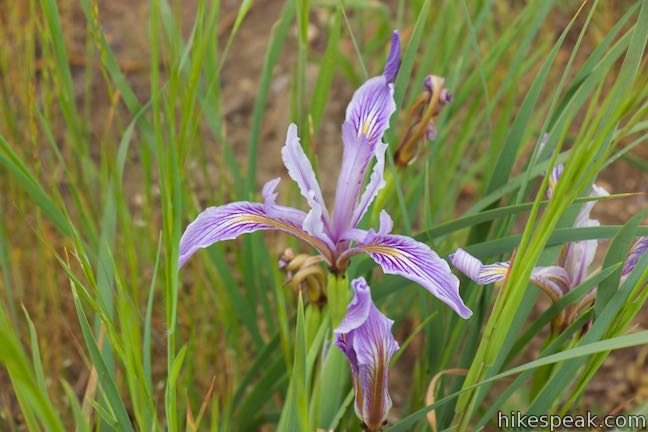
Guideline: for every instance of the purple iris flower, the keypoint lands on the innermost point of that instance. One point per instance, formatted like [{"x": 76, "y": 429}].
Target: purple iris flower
[
  {"x": 365, "y": 337},
  {"x": 573, "y": 264},
  {"x": 336, "y": 235}
]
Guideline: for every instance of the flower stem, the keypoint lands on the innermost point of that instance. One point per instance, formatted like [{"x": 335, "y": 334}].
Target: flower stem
[{"x": 337, "y": 292}]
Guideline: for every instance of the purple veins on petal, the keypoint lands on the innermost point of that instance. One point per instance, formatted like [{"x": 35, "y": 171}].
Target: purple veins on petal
[
  {"x": 373, "y": 103},
  {"x": 415, "y": 261},
  {"x": 375, "y": 184},
  {"x": 638, "y": 248},
  {"x": 553, "y": 280},
  {"x": 229, "y": 221},
  {"x": 476, "y": 270},
  {"x": 358, "y": 308},
  {"x": 355, "y": 159},
  {"x": 367, "y": 119},
  {"x": 370, "y": 109},
  {"x": 365, "y": 337}
]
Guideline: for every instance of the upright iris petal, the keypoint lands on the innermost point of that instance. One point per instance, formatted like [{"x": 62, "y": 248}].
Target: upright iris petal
[
  {"x": 355, "y": 160},
  {"x": 365, "y": 337},
  {"x": 576, "y": 257},
  {"x": 393, "y": 59},
  {"x": 367, "y": 119}
]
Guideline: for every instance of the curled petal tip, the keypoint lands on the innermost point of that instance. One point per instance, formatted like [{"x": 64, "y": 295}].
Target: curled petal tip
[
  {"x": 476, "y": 270},
  {"x": 268, "y": 192},
  {"x": 393, "y": 59},
  {"x": 386, "y": 223}
]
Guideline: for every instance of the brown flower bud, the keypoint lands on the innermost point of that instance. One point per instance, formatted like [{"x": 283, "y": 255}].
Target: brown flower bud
[
  {"x": 421, "y": 120},
  {"x": 304, "y": 273}
]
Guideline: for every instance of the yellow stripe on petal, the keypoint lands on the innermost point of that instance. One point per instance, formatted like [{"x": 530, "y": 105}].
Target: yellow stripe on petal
[
  {"x": 315, "y": 242},
  {"x": 384, "y": 250},
  {"x": 368, "y": 124},
  {"x": 495, "y": 271}
]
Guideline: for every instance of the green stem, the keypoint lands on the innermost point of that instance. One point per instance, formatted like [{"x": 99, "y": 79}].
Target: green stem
[{"x": 337, "y": 292}]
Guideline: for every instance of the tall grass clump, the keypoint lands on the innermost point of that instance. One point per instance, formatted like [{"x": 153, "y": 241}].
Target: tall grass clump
[{"x": 470, "y": 243}]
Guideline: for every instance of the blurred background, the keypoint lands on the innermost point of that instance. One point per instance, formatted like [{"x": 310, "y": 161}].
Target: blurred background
[{"x": 73, "y": 152}]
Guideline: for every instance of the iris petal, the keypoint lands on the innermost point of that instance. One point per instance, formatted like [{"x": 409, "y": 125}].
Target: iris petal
[
  {"x": 576, "y": 257},
  {"x": 413, "y": 260},
  {"x": 370, "y": 109},
  {"x": 376, "y": 183},
  {"x": 355, "y": 160},
  {"x": 366, "y": 339},
  {"x": 476, "y": 270},
  {"x": 553, "y": 280},
  {"x": 638, "y": 248},
  {"x": 367, "y": 119},
  {"x": 393, "y": 59},
  {"x": 229, "y": 221},
  {"x": 300, "y": 169}
]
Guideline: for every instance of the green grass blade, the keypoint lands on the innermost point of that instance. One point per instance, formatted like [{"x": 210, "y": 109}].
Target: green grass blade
[{"x": 106, "y": 379}]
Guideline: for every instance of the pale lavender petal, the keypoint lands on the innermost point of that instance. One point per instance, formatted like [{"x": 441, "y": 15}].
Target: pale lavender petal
[
  {"x": 358, "y": 308},
  {"x": 366, "y": 339},
  {"x": 638, "y": 248},
  {"x": 278, "y": 211},
  {"x": 554, "y": 280},
  {"x": 229, "y": 221},
  {"x": 476, "y": 270},
  {"x": 268, "y": 191},
  {"x": 355, "y": 160},
  {"x": 393, "y": 59},
  {"x": 416, "y": 261},
  {"x": 301, "y": 170},
  {"x": 376, "y": 183},
  {"x": 367, "y": 119},
  {"x": 386, "y": 223},
  {"x": 576, "y": 257},
  {"x": 583, "y": 219},
  {"x": 314, "y": 221}
]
